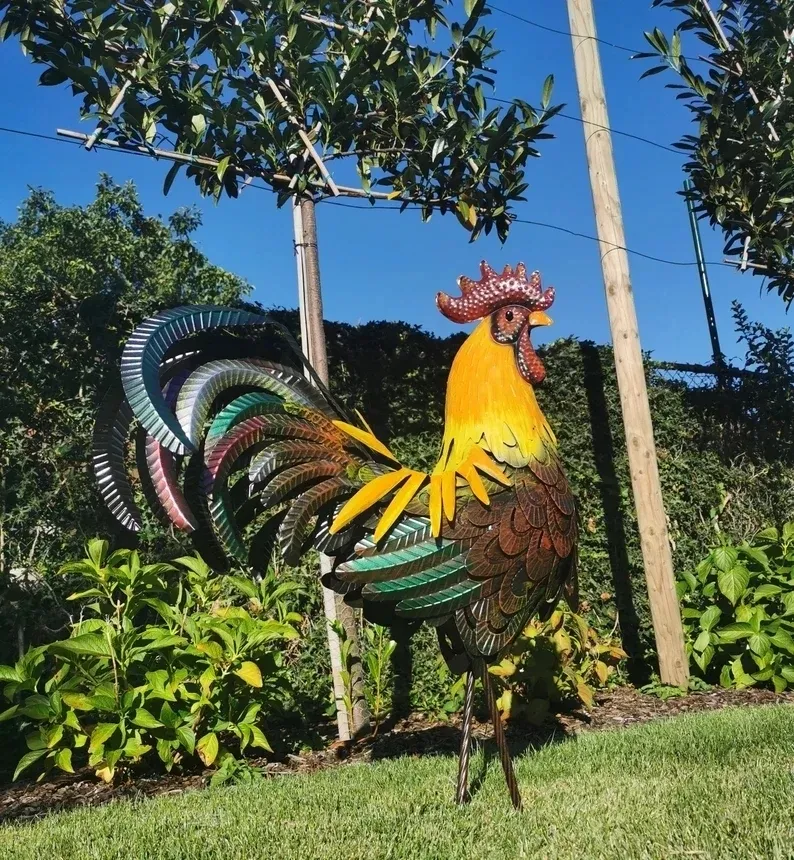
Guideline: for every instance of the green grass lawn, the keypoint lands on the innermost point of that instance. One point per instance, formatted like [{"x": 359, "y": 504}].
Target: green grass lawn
[{"x": 717, "y": 785}]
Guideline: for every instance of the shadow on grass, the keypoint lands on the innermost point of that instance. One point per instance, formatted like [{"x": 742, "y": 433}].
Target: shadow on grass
[{"x": 444, "y": 740}]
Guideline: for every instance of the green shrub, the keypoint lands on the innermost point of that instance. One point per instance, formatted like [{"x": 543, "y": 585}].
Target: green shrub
[
  {"x": 160, "y": 659},
  {"x": 738, "y": 609},
  {"x": 562, "y": 661}
]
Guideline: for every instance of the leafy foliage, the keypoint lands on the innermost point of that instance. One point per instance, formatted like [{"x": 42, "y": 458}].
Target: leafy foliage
[
  {"x": 741, "y": 156},
  {"x": 161, "y": 659},
  {"x": 74, "y": 282},
  {"x": 739, "y": 611},
  {"x": 560, "y": 661},
  {"x": 398, "y": 89}
]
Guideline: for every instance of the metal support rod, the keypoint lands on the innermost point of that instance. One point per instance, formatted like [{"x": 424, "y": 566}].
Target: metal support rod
[
  {"x": 501, "y": 742},
  {"x": 711, "y": 320},
  {"x": 462, "y": 796},
  {"x": 212, "y": 164}
]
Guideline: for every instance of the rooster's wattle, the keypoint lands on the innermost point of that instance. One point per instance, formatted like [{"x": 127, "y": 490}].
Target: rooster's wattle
[{"x": 246, "y": 454}]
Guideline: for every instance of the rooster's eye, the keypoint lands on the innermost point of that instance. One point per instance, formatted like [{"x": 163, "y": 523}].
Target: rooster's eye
[{"x": 506, "y": 323}]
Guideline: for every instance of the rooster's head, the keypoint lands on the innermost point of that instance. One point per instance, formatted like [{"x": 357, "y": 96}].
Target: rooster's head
[{"x": 515, "y": 304}]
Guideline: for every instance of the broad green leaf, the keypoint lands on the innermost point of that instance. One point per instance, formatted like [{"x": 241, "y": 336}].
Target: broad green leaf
[
  {"x": 145, "y": 719},
  {"x": 710, "y": 617},
  {"x": 78, "y": 701},
  {"x": 167, "y": 716},
  {"x": 89, "y": 644},
  {"x": 9, "y": 713},
  {"x": 703, "y": 641},
  {"x": 779, "y": 683},
  {"x": 259, "y": 740},
  {"x": 97, "y": 551},
  {"x": 198, "y": 124},
  {"x": 101, "y": 733},
  {"x": 545, "y": 97},
  {"x": 53, "y": 736},
  {"x": 725, "y": 677},
  {"x": 7, "y": 673},
  {"x": 764, "y": 591},
  {"x": 187, "y": 737},
  {"x": 733, "y": 583},
  {"x": 63, "y": 760},
  {"x": 27, "y": 760},
  {"x": 170, "y": 177},
  {"x": 207, "y": 748},
  {"x": 135, "y": 749},
  {"x": 759, "y": 644},
  {"x": 783, "y": 639},
  {"x": 705, "y": 658},
  {"x": 734, "y": 632},
  {"x": 250, "y": 673},
  {"x": 724, "y": 558}
]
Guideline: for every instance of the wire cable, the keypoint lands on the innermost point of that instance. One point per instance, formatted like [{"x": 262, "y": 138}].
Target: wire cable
[
  {"x": 570, "y": 35},
  {"x": 384, "y": 206},
  {"x": 628, "y": 134},
  {"x": 555, "y": 227}
]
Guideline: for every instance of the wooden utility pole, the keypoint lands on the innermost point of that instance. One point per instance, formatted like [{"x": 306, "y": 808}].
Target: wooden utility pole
[
  {"x": 313, "y": 341},
  {"x": 651, "y": 518}
]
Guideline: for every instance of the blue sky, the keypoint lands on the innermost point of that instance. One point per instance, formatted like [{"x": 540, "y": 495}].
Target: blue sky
[{"x": 383, "y": 265}]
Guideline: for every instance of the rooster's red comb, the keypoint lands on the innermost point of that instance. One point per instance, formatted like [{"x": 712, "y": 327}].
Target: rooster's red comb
[{"x": 494, "y": 291}]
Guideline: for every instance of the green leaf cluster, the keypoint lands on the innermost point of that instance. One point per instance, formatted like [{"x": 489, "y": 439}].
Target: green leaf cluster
[
  {"x": 738, "y": 610},
  {"x": 561, "y": 661},
  {"x": 164, "y": 660},
  {"x": 741, "y": 149}
]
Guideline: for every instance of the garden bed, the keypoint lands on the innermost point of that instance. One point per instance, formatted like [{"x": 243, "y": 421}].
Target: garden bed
[{"x": 416, "y": 736}]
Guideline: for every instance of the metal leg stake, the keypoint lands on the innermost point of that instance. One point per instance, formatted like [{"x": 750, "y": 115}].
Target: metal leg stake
[
  {"x": 463, "y": 795},
  {"x": 501, "y": 743}
]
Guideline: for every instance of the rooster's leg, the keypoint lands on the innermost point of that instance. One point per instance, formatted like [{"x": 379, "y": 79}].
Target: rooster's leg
[
  {"x": 501, "y": 743},
  {"x": 465, "y": 743}
]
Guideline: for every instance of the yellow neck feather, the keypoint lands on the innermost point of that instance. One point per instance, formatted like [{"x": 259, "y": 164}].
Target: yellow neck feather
[{"x": 491, "y": 405}]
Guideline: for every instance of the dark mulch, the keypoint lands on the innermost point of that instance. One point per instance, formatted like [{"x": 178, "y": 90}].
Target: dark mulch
[{"x": 26, "y": 801}]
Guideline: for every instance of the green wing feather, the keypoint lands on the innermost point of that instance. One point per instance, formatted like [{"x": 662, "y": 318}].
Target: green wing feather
[
  {"x": 441, "y": 602},
  {"x": 206, "y": 383},
  {"x": 399, "y": 563},
  {"x": 295, "y": 477},
  {"x": 111, "y": 433},
  {"x": 144, "y": 351},
  {"x": 294, "y": 529},
  {"x": 426, "y": 583},
  {"x": 240, "y": 409}
]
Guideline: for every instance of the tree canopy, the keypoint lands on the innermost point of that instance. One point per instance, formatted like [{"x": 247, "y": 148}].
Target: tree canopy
[
  {"x": 74, "y": 282},
  {"x": 393, "y": 86},
  {"x": 741, "y": 94}
]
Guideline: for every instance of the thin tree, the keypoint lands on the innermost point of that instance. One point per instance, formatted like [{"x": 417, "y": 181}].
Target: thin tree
[{"x": 285, "y": 91}]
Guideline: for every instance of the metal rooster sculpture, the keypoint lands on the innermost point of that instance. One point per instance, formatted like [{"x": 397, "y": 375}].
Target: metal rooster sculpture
[{"x": 474, "y": 549}]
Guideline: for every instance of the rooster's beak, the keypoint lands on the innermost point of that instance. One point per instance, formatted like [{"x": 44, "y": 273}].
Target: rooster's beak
[{"x": 539, "y": 318}]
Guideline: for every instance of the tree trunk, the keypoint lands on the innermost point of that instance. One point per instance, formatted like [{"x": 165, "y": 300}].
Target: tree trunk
[{"x": 313, "y": 336}]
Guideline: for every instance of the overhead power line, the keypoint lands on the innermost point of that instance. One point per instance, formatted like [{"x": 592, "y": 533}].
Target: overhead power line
[
  {"x": 555, "y": 227},
  {"x": 569, "y": 35},
  {"x": 628, "y": 134},
  {"x": 381, "y": 206}
]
